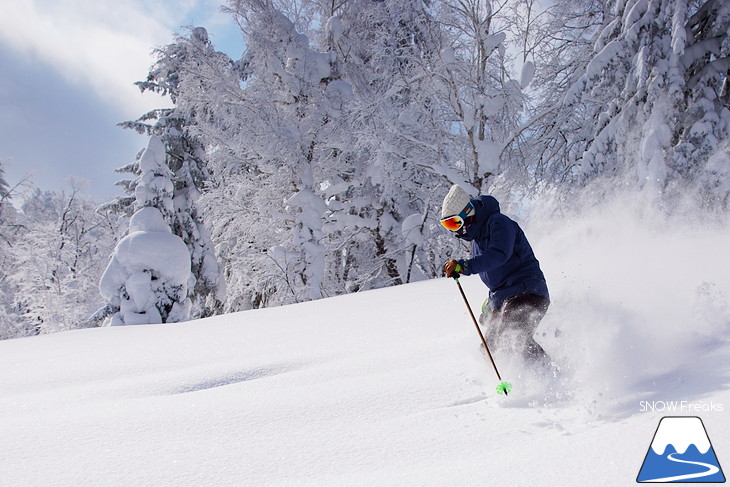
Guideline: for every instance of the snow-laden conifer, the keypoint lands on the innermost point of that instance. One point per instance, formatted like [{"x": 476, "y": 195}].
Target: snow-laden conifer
[
  {"x": 653, "y": 100},
  {"x": 185, "y": 158},
  {"x": 148, "y": 278}
]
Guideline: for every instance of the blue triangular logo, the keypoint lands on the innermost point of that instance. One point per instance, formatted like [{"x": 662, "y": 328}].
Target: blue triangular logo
[{"x": 681, "y": 452}]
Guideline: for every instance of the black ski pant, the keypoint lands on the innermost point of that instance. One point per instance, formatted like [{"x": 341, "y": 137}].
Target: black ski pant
[{"x": 512, "y": 326}]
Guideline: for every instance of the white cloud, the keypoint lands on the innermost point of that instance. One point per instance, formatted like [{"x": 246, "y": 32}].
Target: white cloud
[{"x": 103, "y": 44}]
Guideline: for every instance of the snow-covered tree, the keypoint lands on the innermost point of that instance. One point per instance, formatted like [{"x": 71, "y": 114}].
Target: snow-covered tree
[
  {"x": 703, "y": 150},
  {"x": 398, "y": 140},
  {"x": 274, "y": 140},
  {"x": 148, "y": 278},
  {"x": 475, "y": 82},
  {"x": 329, "y": 148},
  {"x": 8, "y": 289},
  {"x": 59, "y": 255},
  {"x": 554, "y": 45},
  {"x": 154, "y": 186},
  {"x": 184, "y": 158},
  {"x": 653, "y": 97}
]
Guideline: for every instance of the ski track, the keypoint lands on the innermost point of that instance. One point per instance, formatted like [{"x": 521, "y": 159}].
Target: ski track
[{"x": 230, "y": 378}]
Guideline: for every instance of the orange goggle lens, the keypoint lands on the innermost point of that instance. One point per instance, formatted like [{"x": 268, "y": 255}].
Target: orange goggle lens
[{"x": 453, "y": 223}]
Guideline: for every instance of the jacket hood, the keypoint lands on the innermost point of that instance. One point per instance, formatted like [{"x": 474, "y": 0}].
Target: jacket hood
[
  {"x": 490, "y": 204},
  {"x": 485, "y": 207}
]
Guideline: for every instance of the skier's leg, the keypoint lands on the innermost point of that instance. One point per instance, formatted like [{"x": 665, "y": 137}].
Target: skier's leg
[{"x": 521, "y": 315}]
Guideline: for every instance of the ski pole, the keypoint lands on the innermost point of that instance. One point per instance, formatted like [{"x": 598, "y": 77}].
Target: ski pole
[{"x": 503, "y": 387}]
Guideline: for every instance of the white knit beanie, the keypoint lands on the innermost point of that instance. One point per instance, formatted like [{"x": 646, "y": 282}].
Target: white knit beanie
[{"x": 455, "y": 201}]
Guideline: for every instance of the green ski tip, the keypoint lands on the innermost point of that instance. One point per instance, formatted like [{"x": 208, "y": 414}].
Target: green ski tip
[{"x": 504, "y": 388}]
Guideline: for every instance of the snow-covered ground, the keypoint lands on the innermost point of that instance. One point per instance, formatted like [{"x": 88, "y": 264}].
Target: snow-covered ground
[{"x": 389, "y": 387}]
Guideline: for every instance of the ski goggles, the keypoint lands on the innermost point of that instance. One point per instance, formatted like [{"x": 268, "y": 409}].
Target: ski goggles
[{"x": 454, "y": 223}]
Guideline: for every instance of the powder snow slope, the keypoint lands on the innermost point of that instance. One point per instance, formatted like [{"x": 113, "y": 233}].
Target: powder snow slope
[
  {"x": 385, "y": 387},
  {"x": 388, "y": 387}
]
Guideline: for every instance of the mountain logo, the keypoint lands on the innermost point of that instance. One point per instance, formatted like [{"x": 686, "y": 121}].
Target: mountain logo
[{"x": 681, "y": 452}]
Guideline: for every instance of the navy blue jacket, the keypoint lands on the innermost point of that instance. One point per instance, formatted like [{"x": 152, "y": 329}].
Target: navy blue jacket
[{"x": 501, "y": 255}]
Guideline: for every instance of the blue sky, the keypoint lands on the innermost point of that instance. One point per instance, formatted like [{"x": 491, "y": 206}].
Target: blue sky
[{"x": 67, "y": 73}]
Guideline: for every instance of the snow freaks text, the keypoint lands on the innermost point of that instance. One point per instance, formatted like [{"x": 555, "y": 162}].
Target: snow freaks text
[{"x": 680, "y": 406}]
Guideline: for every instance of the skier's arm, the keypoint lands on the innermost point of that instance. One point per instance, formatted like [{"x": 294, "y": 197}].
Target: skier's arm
[{"x": 500, "y": 248}]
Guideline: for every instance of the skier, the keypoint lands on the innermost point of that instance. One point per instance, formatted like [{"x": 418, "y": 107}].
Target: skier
[{"x": 502, "y": 256}]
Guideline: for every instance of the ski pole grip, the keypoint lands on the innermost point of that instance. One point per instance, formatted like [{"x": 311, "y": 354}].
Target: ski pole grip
[{"x": 456, "y": 272}]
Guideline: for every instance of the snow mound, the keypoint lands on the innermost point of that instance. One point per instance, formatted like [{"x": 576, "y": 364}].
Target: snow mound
[{"x": 148, "y": 276}]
